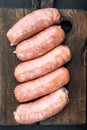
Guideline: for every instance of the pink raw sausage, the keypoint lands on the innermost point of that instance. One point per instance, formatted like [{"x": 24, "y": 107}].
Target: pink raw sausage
[
  {"x": 42, "y": 86},
  {"x": 43, "y": 65},
  {"x": 33, "y": 23},
  {"x": 42, "y": 108},
  {"x": 40, "y": 44}
]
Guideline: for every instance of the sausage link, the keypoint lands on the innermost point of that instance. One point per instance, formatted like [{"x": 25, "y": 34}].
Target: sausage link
[
  {"x": 42, "y": 86},
  {"x": 40, "y": 44},
  {"x": 42, "y": 108},
  {"x": 43, "y": 65},
  {"x": 32, "y": 24}
]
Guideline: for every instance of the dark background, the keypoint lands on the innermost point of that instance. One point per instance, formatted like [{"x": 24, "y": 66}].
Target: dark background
[{"x": 62, "y": 4}]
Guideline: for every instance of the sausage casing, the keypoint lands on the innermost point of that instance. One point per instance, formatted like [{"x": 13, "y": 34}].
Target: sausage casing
[
  {"x": 40, "y": 44},
  {"x": 42, "y": 86},
  {"x": 42, "y": 108},
  {"x": 33, "y": 69},
  {"x": 33, "y": 23}
]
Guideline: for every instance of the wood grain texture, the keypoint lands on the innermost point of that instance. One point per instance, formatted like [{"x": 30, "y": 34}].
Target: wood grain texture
[
  {"x": 47, "y": 3},
  {"x": 16, "y": 3},
  {"x": 8, "y": 61},
  {"x": 36, "y": 4},
  {"x": 75, "y": 112}
]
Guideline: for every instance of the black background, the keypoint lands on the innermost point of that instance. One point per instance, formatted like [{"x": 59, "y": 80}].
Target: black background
[{"x": 62, "y": 4}]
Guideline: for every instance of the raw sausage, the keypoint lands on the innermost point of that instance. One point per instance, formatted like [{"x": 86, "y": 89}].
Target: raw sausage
[
  {"x": 32, "y": 24},
  {"x": 42, "y": 108},
  {"x": 40, "y": 43},
  {"x": 38, "y": 67},
  {"x": 43, "y": 65},
  {"x": 42, "y": 86}
]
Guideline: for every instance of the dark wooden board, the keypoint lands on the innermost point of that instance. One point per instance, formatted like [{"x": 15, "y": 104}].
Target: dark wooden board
[
  {"x": 8, "y": 61},
  {"x": 75, "y": 112},
  {"x": 47, "y": 3}
]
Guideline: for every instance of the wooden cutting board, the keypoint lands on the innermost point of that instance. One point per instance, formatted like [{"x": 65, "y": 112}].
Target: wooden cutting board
[{"x": 76, "y": 39}]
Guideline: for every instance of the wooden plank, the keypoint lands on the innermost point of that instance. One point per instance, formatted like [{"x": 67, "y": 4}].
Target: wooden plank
[
  {"x": 75, "y": 112},
  {"x": 15, "y": 3},
  {"x": 47, "y": 3},
  {"x": 8, "y": 61},
  {"x": 36, "y": 4}
]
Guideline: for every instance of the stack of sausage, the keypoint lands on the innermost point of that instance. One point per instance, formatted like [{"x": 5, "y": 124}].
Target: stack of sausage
[{"x": 38, "y": 38}]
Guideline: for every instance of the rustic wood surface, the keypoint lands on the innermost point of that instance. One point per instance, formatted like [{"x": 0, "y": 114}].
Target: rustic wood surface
[
  {"x": 75, "y": 112},
  {"x": 47, "y": 3}
]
